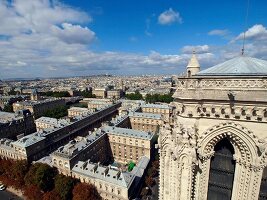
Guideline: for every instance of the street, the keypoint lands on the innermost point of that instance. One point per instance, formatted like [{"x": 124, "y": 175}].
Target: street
[{"x": 5, "y": 195}]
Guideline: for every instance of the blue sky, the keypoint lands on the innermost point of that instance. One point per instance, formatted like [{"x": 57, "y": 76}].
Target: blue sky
[{"x": 51, "y": 38}]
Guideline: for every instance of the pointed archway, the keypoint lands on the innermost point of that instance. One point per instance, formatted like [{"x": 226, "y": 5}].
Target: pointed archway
[
  {"x": 263, "y": 188},
  {"x": 222, "y": 169}
]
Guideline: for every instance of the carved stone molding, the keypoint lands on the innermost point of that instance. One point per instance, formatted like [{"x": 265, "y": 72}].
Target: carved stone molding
[{"x": 245, "y": 143}]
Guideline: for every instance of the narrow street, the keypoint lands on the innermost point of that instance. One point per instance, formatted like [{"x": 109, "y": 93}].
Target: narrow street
[{"x": 5, "y": 195}]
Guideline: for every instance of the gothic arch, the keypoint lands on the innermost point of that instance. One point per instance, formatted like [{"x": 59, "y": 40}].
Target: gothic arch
[
  {"x": 243, "y": 141},
  {"x": 246, "y": 147}
]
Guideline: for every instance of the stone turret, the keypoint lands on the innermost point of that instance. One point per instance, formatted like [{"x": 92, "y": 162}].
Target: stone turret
[
  {"x": 193, "y": 66},
  {"x": 34, "y": 95}
]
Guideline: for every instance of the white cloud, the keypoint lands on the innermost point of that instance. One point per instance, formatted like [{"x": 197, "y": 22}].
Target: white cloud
[
  {"x": 169, "y": 17},
  {"x": 73, "y": 33},
  {"x": 198, "y": 48},
  {"x": 256, "y": 32},
  {"x": 219, "y": 32},
  {"x": 61, "y": 44},
  {"x": 18, "y": 16}
]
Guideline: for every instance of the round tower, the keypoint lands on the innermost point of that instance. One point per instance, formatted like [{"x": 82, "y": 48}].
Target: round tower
[{"x": 193, "y": 66}]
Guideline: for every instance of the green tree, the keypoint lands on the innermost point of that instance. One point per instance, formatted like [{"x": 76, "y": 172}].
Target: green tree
[
  {"x": 52, "y": 195},
  {"x": 64, "y": 186},
  {"x": 83, "y": 191},
  {"x": 41, "y": 175},
  {"x": 87, "y": 94},
  {"x": 152, "y": 172},
  {"x": 58, "y": 112},
  {"x": 134, "y": 96},
  {"x": 12, "y": 92},
  {"x": 19, "y": 169},
  {"x": 152, "y": 98},
  {"x": 149, "y": 181},
  {"x": 56, "y": 94},
  {"x": 8, "y": 108},
  {"x": 32, "y": 192}
]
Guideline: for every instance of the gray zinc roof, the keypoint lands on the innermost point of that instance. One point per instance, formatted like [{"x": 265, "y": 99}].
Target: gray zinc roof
[
  {"x": 238, "y": 66},
  {"x": 93, "y": 170}
]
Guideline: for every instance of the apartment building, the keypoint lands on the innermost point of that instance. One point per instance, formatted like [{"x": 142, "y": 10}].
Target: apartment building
[
  {"x": 147, "y": 122},
  {"x": 100, "y": 92},
  {"x": 47, "y": 122},
  {"x": 114, "y": 94},
  {"x": 36, "y": 145},
  {"x": 128, "y": 144},
  {"x": 93, "y": 147},
  {"x": 37, "y": 108},
  {"x": 76, "y": 111},
  {"x": 162, "y": 109},
  {"x": 14, "y": 124}
]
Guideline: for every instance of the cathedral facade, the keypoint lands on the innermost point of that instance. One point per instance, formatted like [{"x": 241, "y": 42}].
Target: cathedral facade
[{"x": 215, "y": 146}]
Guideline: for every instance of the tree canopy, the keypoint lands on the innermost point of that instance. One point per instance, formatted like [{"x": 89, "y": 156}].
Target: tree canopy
[
  {"x": 56, "y": 94},
  {"x": 58, "y": 112},
  {"x": 83, "y": 191},
  {"x": 87, "y": 94},
  {"x": 64, "y": 186},
  {"x": 8, "y": 108},
  {"x": 40, "y": 181},
  {"x": 134, "y": 96},
  {"x": 152, "y": 98},
  {"x": 41, "y": 175}
]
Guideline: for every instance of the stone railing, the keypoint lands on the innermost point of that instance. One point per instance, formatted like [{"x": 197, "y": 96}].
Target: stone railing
[
  {"x": 238, "y": 112},
  {"x": 215, "y": 83}
]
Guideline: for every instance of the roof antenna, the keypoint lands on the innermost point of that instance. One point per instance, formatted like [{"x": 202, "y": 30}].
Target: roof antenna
[{"x": 245, "y": 28}]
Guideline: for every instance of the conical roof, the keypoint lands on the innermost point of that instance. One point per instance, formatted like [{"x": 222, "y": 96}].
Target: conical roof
[
  {"x": 193, "y": 61},
  {"x": 238, "y": 66}
]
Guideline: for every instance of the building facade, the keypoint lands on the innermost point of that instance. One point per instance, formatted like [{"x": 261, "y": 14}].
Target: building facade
[
  {"x": 14, "y": 124},
  {"x": 164, "y": 110},
  {"x": 216, "y": 146},
  {"x": 92, "y": 147},
  {"x": 39, "y": 144},
  {"x": 100, "y": 92},
  {"x": 129, "y": 145},
  {"x": 76, "y": 111},
  {"x": 147, "y": 122},
  {"x": 114, "y": 94},
  {"x": 38, "y": 108}
]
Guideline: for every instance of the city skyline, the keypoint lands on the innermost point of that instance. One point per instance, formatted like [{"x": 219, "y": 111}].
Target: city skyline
[{"x": 66, "y": 38}]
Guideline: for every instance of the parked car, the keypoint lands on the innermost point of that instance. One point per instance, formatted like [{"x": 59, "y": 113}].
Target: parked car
[{"x": 2, "y": 187}]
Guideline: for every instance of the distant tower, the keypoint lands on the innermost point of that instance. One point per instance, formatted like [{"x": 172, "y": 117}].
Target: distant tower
[
  {"x": 193, "y": 66},
  {"x": 34, "y": 95},
  {"x": 122, "y": 85}
]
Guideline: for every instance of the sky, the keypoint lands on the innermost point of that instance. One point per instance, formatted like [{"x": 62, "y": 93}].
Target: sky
[{"x": 55, "y": 38}]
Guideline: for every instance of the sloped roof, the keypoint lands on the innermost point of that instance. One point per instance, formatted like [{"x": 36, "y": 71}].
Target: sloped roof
[
  {"x": 238, "y": 66},
  {"x": 193, "y": 61}
]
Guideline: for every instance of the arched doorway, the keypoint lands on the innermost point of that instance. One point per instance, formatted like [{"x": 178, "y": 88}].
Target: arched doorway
[
  {"x": 188, "y": 73},
  {"x": 263, "y": 188},
  {"x": 222, "y": 168}
]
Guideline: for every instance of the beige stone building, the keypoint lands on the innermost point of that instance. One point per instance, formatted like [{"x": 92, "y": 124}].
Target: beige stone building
[
  {"x": 43, "y": 123},
  {"x": 100, "y": 92},
  {"x": 162, "y": 109},
  {"x": 34, "y": 146},
  {"x": 93, "y": 147},
  {"x": 111, "y": 183},
  {"x": 76, "y": 111},
  {"x": 114, "y": 94},
  {"x": 37, "y": 108},
  {"x": 216, "y": 145},
  {"x": 128, "y": 144},
  {"x": 147, "y": 122}
]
